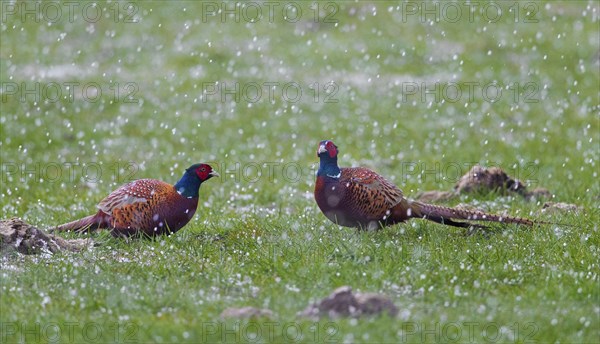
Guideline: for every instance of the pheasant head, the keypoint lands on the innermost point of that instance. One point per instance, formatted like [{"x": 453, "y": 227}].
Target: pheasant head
[
  {"x": 193, "y": 177},
  {"x": 328, "y": 166}
]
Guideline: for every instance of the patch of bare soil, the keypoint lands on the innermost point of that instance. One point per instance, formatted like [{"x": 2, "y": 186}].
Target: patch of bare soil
[
  {"x": 17, "y": 235},
  {"x": 246, "y": 312},
  {"x": 484, "y": 180},
  {"x": 344, "y": 303},
  {"x": 560, "y": 207}
]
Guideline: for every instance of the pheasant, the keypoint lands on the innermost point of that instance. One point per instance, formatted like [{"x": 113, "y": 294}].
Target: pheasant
[
  {"x": 359, "y": 197},
  {"x": 147, "y": 206}
]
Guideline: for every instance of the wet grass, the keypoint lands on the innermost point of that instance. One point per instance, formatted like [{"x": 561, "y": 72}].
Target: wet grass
[{"x": 258, "y": 238}]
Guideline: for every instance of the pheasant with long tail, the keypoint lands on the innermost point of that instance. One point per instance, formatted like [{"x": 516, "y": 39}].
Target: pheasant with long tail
[
  {"x": 147, "y": 206},
  {"x": 359, "y": 197}
]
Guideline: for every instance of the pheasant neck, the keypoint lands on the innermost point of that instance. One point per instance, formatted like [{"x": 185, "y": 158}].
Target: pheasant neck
[
  {"x": 188, "y": 185},
  {"x": 328, "y": 167}
]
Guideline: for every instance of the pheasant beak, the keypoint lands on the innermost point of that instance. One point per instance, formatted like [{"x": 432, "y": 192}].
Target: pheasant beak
[
  {"x": 214, "y": 174},
  {"x": 321, "y": 149}
]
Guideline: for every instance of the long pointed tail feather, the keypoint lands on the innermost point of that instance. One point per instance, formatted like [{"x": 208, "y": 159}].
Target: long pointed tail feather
[
  {"x": 446, "y": 215},
  {"x": 88, "y": 222}
]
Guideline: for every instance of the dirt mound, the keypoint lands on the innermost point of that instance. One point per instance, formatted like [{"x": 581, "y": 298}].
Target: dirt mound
[
  {"x": 246, "y": 312},
  {"x": 558, "y": 207},
  {"x": 484, "y": 180},
  {"x": 18, "y": 235},
  {"x": 435, "y": 196},
  {"x": 481, "y": 179},
  {"x": 343, "y": 303}
]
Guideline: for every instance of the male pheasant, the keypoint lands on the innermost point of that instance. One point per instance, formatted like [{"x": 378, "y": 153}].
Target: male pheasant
[
  {"x": 359, "y": 197},
  {"x": 147, "y": 206}
]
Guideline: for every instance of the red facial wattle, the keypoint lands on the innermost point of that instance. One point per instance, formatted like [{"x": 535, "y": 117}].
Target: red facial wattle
[
  {"x": 331, "y": 149},
  {"x": 202, "y": 172}
]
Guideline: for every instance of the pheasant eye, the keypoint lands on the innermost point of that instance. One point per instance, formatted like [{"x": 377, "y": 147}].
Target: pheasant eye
[{"x": 201, "y": 172}]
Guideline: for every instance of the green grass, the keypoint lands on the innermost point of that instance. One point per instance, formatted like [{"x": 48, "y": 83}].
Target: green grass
[{"x": 258, "y": 239}]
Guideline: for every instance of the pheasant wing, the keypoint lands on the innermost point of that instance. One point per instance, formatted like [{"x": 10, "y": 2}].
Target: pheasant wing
[
  {"x": 141, "y": 190},
  {"x": 371, "y": 194}
]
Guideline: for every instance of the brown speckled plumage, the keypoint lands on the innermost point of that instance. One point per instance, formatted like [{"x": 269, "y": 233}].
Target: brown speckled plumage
[{"x": 359, "y": 197}]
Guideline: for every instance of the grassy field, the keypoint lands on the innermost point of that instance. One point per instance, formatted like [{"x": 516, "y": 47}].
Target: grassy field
[{"x": 95, "y": 96}]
